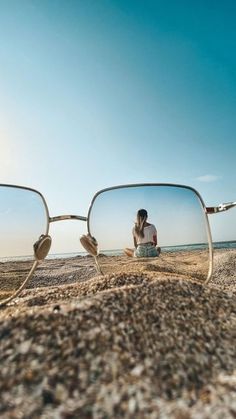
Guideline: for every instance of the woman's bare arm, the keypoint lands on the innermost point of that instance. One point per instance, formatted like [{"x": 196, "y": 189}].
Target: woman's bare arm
[{"x": 154, "y": 238}]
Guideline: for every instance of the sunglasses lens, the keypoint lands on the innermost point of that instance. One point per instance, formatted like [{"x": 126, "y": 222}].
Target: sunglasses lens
[
  {"x": 23, "y": 218},
  {"x": 177, "y": 217}
]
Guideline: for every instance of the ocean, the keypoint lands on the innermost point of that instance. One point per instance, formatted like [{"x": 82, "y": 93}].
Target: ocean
[
  {"x": 190, "y": 247},
  {"x": 119, "y": 252}
]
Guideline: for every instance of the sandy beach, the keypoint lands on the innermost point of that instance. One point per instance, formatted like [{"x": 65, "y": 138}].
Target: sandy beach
[{"x": 146, "y": 341}]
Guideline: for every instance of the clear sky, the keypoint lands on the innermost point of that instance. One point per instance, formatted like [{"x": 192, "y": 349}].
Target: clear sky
[{"x": 99, "y": 93}]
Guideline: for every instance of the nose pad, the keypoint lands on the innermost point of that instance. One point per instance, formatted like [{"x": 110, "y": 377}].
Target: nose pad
[
  {"x": 90, "y": 244},
  {"x": 42, "y": 247}
]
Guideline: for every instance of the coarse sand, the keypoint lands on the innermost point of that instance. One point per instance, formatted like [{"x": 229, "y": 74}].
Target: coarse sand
[{"x": 143, "y": 344}]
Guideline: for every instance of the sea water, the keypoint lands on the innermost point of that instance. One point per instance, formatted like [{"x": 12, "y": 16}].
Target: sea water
[
  {"x": 118, "y": 252},
  {"x": 190, "y": 247}
]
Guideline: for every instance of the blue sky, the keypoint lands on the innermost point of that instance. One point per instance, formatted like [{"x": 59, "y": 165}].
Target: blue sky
[{"x": 99, "y": 93}]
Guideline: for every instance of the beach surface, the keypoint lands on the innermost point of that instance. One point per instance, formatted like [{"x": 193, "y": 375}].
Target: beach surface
[{"x": 141, "y": 341}]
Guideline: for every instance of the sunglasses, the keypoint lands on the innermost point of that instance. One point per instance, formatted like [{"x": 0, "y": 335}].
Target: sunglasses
[{"x": 156, "y": 228}]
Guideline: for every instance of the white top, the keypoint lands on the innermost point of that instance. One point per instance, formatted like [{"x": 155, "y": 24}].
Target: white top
[{"x": 149, "y": 232}]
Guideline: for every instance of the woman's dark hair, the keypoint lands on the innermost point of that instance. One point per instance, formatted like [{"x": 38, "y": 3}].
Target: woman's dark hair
[{"x": 139, "y": 225}]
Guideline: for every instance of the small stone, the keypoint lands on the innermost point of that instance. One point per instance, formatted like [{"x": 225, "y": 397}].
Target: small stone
[
  {"x": 137, "y": 371},
  {"x": 24, "y": 347}
]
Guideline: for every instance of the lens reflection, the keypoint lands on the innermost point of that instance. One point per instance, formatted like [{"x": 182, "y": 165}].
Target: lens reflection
[
  {"x": 23, "y": 218},
  {"x": 180, "y": 221}
]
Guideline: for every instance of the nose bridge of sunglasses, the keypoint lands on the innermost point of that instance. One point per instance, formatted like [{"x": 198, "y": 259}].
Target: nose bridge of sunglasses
[
  {"x": 42, "y": 247},
  {"x": 67, "y": 217}
]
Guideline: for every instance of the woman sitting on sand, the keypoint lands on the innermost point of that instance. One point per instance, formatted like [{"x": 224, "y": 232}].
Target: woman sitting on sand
[{"x": 145, "y": 237}]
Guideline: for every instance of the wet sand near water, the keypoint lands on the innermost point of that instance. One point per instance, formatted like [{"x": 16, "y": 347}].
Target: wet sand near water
[{"x": 141, "y": 342}]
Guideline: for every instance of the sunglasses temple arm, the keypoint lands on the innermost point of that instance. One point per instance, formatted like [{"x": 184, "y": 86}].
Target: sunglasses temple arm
[
  {"x": 220, "y": 208},
  {"x": 29, "y": 276}
]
